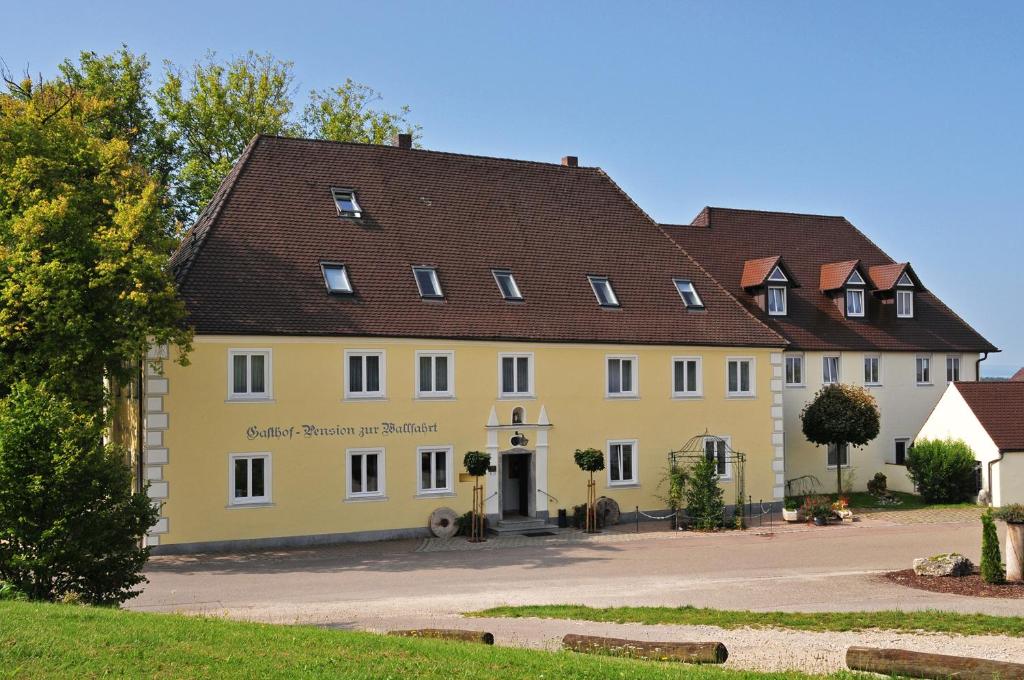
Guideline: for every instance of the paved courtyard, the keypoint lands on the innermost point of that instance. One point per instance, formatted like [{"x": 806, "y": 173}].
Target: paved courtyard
[{"x": 416, "y": 583}]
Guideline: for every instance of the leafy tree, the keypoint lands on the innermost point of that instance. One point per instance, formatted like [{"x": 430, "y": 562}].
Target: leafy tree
[
  {"x": 704, "y": 497},
  {"x": 212, "y": 110},
  {"x": 69, "y": 522},
  {"x": 942, "y": 470},
  {"x": 345, "y": 114},
  {"x": 84, "y": 288},
  {"x": 991, "y": 560},
  {"x": 842, "y": 415}
]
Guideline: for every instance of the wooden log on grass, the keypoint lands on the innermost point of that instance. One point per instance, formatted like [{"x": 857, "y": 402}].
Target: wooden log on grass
[
  {"x": 687, "y": 652},
  {"x": 900, "y": 662},
  {"x": 447, "y": 634}
]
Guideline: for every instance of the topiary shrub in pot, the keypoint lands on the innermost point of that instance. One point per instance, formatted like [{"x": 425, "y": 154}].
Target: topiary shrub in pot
[{"x": 1013, "y": 515}]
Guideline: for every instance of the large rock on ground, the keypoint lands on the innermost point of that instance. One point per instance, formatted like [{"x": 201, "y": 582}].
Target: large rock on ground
[{"x": 950, "y": 564}]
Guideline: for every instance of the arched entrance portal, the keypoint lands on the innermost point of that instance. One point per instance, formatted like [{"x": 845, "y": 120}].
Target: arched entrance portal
[{"x": 517, "y": 491}]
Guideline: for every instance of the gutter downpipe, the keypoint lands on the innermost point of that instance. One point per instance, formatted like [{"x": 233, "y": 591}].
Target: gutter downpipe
[
  {"x": 977, "y": 368},
  {"x": 992, "y": 462}
]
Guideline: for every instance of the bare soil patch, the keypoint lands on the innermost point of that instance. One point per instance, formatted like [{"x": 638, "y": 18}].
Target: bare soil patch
[{"x": 971, "y": 585}]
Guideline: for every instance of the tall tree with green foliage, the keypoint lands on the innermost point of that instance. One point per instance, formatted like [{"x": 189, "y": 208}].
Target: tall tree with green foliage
[
  {"x": 84, "y": 287},
  {"x": 842, "y": 415},
  {"x": 346, "y": 114},
  {"x": 69, "y": 522}
]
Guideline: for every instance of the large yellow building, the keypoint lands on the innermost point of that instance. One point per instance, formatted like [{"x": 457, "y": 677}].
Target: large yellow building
[{"x": 365, "y": 315}]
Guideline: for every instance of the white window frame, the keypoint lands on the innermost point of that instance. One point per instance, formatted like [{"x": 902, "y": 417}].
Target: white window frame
[
  {"x": 363, "y": 395},
  {"x": 324, "y": 266},
  {"x": 741, "y": 394},
  {"x": 917, "y": 370},
  {"x": 785, "y": 301},
  {"x": 433, "y": 354},
  {"x": 356, "y": 211},
  {"x": 268, "y": 377},
  {"x": 679, "y": 283},
  {"x": 497, "y": 274},
  {"x": 857, "y": 292},
  {"x": 381, "y": 492},
  {"x": 605, "y": 281},
  {"x": 878, "y": 370},
  {"x": 449, "y": 452},
  {"x": 250, "y": 500},
  {"x": 824, "y": 363},
  {"x": 434, "y": 279},
  {"x": 799, "y": 359},
  {"x": 634, "y": 371},
  {"x": 905, "y": 311},
  {"x": 727, "y": 476},
  {"x": 849, "y": 458},
  {"x": 697, "y": 393},
  {"x": 530, "y": 373},
  {"x": 906, "y": 449},
  {"x": 634, "y": 468},
  {"x": 953, "y": 360}
]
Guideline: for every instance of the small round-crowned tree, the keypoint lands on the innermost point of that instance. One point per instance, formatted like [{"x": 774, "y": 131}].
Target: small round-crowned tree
[
  {"x": 477, "y": 463},
  {"x": 840, "y": 415},
  {"x": 590, "y": 460}
]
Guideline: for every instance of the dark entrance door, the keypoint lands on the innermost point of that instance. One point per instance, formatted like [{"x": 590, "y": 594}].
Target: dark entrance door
[{"x": 516, "y": 485}]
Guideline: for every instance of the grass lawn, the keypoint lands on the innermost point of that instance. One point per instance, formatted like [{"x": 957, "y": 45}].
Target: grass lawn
[
  {"x": 67, "y": 641},
  {"x": 864, "y": 500},
  {"x": 933, "y": 621}
]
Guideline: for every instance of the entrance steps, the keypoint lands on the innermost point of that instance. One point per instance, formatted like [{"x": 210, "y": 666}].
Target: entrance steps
[{"x": 522, "y": 525}]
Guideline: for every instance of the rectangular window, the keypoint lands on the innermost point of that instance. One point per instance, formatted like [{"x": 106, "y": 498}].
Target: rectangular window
[
  {"x": 794, "y": 370},
  {"x": 924, "y": 370},
  {"x": 717, "y": 449},
  {"x": 854, "y": 302},
  {"x": 899, "y": 452},
  {"x": 841, "y": 453},
  {"x": 435, "y": 374},
  {"x": 871, "y": 372},
  {"x": 688, "y": 292},
  {"x": 516, "y": 375},
  {"x": 336, "y": 278},
  {"x": 507, "y": 284},
  {"x": 740, "y": 378},
  {"x": 603, "y": 290},
  {"x": 621, "y": 376},
  {"x": 952, "y": 368},
  {"x": 249, "y": 374},
  {"x": 829, "y": 370},
  {"x": 904, "y": 304},
  {"x": 365, "y": 379},
  {"x": 248, "y": 478},
  {"x": 427, "y": 282},
  {"x": 686, "y": 377},
  {"x": 435, "y": 469},
  {"x": 622, "y": 461},
  {"x": 777, "y": 300},
  {"x": 365, "y": 473},
  {"x": 345, "y": 201}
]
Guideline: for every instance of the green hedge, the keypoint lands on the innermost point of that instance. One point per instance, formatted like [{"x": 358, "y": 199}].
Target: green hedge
[{"x": 942, "y": 470}]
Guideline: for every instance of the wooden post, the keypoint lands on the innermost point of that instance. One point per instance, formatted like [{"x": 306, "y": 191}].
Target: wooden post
[
  {"x": 478, "y": 528},
  {"x": 591, "y": 505},
  {"x": 687, "y": 652},
  {"x": 447, "y": 634},
  {"x": 900, "y": 662}
]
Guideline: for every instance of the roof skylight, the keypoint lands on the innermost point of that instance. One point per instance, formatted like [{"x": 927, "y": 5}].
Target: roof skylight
[
  {"x": 345, "y": 200},
  {"x": 427, "y": 282},
  {"x": 603, "y": 290},
  {"x": 336, "y": 277},
  {"x": 688, "y": 292},
  {"x": 507, "y": 284}
]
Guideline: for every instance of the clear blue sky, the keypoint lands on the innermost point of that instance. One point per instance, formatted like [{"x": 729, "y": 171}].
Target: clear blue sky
[{"x": 906, "y": 117}]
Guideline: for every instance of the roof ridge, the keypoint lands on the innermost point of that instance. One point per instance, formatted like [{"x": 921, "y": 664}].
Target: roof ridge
[
  {"x": 696, "y": 264},
  {"x": 773, "y": 212}
]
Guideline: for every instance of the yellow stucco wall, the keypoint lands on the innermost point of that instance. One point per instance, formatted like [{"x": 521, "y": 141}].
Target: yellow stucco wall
[{"x": 188, "y": 461}]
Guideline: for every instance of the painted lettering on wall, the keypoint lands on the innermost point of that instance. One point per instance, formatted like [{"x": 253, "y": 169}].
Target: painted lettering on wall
[{"x": 308, "y": 431}]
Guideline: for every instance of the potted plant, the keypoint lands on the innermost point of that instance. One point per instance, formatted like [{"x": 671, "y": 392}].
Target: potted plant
[
  {"x": 818, "y": 508},
  {"x": 841, "y": 510},
  {"x": 791, "y": 510},
  {"x": 1013, "y": 515},
  {"x": 590, "y": 460}
]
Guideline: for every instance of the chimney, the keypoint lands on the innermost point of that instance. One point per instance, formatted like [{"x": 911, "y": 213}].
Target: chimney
[
  {"x": 570, "y": 161},
  {"x": 403, "y": 140}
]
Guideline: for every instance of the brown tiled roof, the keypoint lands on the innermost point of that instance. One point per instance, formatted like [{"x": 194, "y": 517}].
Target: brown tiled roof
[
  {"x": 1019, "y": 375},
  {"x": 885, "y": 276},
  {"x": 999, "y": 406},
  {"x": 833, "y": 275},
  {"x": 756, "y": 271},
  {"x": 722, "y": 240},
  {"x": 252, "y": 267}
]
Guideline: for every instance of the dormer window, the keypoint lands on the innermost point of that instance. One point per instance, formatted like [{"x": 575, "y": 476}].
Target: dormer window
[
  {"x": 689, "y": 294},
  {"x": 345, "y": 200},
  {"x": 854, "y": 301},
  {"x": 336, "y": 278},
  {"x": 507, "y": 284},
  {"x": 855, "y": 279},
  {"x": 778, "y": 276},
  {"x": 776, "y": 300},
  {"x": 603, "y": 290},
  {"x": 427, "y": 282},
  {"x": 905, "y": 297}
]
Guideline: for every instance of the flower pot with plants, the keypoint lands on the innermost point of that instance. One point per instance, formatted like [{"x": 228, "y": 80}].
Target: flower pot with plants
[
  {"x": 791, "y": 510},
  {"x": 818, "y": 509},
  {"x": 841, "y": 510},
  {"x": 1013, "y": 515}
]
